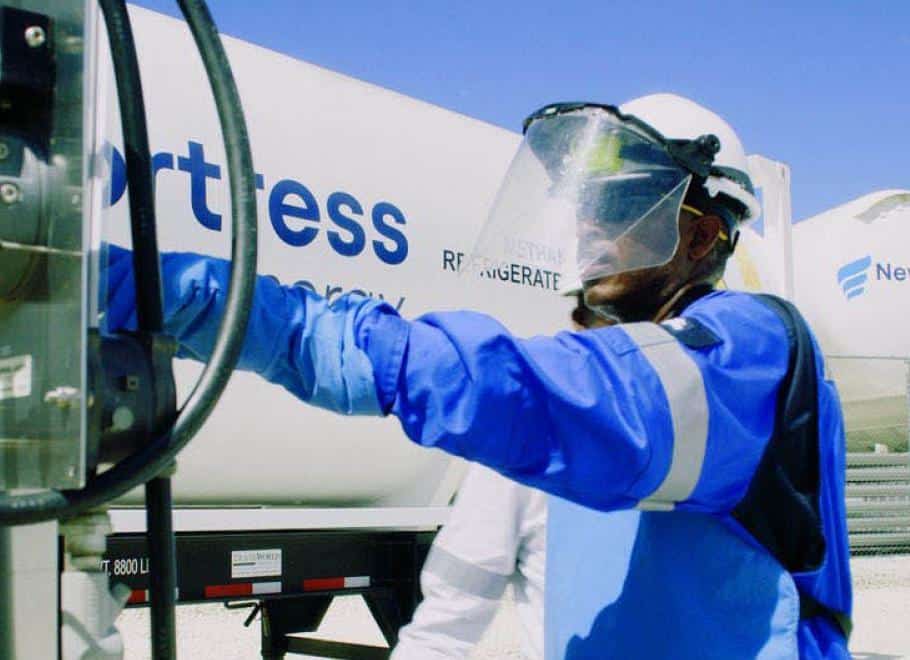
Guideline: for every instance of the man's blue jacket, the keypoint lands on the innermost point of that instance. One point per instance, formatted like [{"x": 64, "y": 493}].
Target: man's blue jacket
[{"x": 672, "y": 419}]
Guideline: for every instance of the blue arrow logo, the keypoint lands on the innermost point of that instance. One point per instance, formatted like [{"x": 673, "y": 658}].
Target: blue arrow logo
[{"x": 852, "y": 277}]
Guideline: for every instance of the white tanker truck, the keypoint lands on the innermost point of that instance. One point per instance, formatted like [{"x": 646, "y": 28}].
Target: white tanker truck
[{"x": 361, "y": 189}]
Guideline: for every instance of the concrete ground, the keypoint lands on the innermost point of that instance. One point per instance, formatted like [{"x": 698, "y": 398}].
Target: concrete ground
[
  {"x": 881, "y": 607},
  {"x": 881, "y": 616}
]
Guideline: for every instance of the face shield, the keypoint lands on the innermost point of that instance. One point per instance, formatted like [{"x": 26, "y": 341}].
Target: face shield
[{"x": 591, "y": 193}]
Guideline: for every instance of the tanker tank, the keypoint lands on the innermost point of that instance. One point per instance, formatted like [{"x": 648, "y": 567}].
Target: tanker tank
[
  {"x": 852, "y": 279},
  {"x": 360, "y": 188}
]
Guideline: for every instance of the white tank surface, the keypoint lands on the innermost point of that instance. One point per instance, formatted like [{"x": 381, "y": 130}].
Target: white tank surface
[
  {"x": 361, "y": 189},
  {"x": 852, "y": 282}
]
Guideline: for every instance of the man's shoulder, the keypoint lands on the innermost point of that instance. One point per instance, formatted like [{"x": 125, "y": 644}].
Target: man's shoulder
[
  {"x": 741, "y": 326},
  {"x": 737, "y": 314}
]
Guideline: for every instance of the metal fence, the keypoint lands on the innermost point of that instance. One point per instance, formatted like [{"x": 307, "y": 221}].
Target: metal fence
[
  {"x": 875, "y": 394},
  {"x": 878, "y": 502}
]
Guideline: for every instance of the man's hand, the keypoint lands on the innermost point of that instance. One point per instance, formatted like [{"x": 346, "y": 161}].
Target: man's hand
[{"x": 295, "y": 338}]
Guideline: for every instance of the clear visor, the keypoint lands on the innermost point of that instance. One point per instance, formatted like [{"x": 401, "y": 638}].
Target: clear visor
[{"x": 588, "y": 196}]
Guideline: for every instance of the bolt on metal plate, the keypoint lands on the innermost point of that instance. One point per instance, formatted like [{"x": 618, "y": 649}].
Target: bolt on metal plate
[
  {"x": 9, "y": 193},
  {"x": 35, "y": 36}
]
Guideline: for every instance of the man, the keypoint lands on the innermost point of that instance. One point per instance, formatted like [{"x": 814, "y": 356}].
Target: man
[{"x": 706, "y": 411}]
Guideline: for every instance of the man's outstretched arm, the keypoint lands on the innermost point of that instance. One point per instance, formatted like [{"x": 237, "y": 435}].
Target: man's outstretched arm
[{"x": 611, "y": 418}]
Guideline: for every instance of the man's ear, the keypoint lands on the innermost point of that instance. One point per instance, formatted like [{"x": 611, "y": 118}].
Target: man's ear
[{"x": 705, "y": 233}]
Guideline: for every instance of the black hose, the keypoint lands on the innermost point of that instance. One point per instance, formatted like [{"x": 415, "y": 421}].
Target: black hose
[
  {"x": 8, "y": 618},
  {"x": 149, "y": 311},
  {"x": 162, "y": 568},
  {"x": 148, "y": 462},
  {"x": 243, "y": 200},
  {"x": 138, "y": 166}
]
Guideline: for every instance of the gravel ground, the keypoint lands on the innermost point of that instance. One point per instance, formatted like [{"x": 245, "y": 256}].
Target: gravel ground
[{"x": 881, "y": 617}]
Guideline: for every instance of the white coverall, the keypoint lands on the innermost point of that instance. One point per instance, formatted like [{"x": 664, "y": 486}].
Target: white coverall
[{"x": 496, "y": 535}]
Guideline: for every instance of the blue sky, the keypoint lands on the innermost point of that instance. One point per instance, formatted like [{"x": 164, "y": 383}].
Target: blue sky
[{"x": 822, "y": 86}]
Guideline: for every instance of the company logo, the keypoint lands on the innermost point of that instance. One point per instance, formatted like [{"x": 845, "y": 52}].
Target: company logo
[
  {"x": 856, "y": 277},
  {"x": 852, "y": 277},
  {"x": 294, "y": 212}
]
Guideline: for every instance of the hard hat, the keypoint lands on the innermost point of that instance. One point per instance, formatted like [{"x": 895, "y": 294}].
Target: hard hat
[{"x": 676, "y": 117}]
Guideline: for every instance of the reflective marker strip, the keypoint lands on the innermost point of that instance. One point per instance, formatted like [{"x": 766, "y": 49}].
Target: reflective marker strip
[
  {"x": 323, "y": 584},
  {"x": 258, "y": 588},
  {"x": 242, "y": 589},
  {"x": 335, "y": 583},
  {"x": 685, "y": 389},
  {"x": 266, "y": 588},
  {"x": 142, "y": 596},
  {"x": 225, "y": 590},
  {"x": 468, "y": 577}
]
